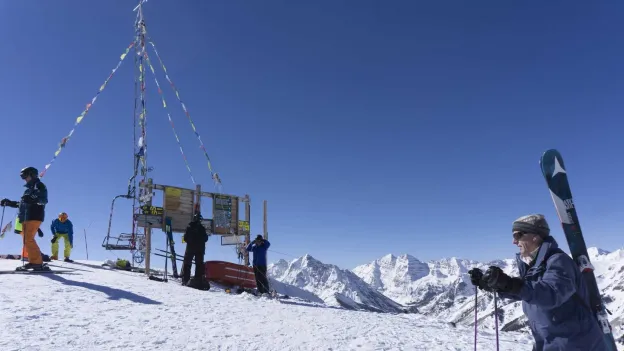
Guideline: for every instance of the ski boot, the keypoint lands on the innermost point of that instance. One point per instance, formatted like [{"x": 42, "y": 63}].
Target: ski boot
[
  {"x": 199, "y": 284},
  {"x": 68, "y": 260},
  {"x": 33, "y": 267}
]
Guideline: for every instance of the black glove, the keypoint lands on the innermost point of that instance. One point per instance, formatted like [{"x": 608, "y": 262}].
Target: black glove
[
  {"x": 53, "y": 239},
  {"x": 497, "y": 280},
  {"x": 476, "y": 278},
  {"x": 9, "y": 203},
  {"x": 40, "y": 233}
]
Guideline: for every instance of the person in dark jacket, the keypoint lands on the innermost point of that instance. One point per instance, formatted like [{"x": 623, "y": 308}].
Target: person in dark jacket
[
  {"x": 554, "y": 296},
  {"x": 195, "y": 237},
  {"x": 259, "y": 248},
  {"x": 31, "y": 214}
]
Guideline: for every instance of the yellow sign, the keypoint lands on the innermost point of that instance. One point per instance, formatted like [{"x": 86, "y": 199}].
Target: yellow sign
[
  {"x": 243, "y": 226},
  {"x": 152, "y": 210},
  {"x": 173, "y": 192}
]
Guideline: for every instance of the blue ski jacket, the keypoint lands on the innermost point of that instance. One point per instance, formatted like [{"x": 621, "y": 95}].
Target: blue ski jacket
[
  {"x": 259, "y": 252},
  {"x": 66, "y": 227},
  {"x": 555, "y": 301}
]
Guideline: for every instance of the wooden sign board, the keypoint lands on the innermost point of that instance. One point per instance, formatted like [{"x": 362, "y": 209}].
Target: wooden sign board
[
  {"x": 232, "y": 239},
  {"x": 225, "y": 214},
  {"x": 145, "y": 220},
  {"x": 178, "y": 204},
  {"x": 207, "y": 223}
]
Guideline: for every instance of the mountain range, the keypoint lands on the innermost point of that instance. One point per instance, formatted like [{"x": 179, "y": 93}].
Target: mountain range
[{"x": 438, "y": 288}]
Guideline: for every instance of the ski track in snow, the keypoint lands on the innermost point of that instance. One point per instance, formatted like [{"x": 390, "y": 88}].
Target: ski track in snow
[{"x": 98, "y": 309}]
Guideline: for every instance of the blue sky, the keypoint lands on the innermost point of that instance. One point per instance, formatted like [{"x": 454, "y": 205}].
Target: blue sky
[{"x": 408, "y": 127}]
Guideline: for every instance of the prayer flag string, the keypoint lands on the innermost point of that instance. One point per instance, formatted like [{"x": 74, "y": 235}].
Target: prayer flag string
[
  {"x": 164, "y": 103},
  {"x": 84, "y": 113},
  {"x": 215, "y": 176}
]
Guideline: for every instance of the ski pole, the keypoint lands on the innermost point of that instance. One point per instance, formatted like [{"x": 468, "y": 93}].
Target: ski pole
[
  {"x": 86, "y": 246},
  {"x": 166, "y": 254},
  {"x": 2, "y": 220},
  {"x": 85, "y": 235},
  {"x": 475, "y": 323},
  {"x": 496, "y": 317},
  {"x": 24, "y": 245}
]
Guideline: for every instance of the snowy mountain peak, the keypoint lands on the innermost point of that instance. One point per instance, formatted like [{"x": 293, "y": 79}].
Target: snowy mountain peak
[
  {"x": 442, "y": 288},
  {"x": 595, "y": 252},
  {"x": 333, "y": 285}
]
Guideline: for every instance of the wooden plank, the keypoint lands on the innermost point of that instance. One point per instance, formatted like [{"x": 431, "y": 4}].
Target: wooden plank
[{"x": 178, "y": 204}]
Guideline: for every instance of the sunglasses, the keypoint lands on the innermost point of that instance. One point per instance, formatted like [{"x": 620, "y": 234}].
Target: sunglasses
[{"x": 518, "y": 235}]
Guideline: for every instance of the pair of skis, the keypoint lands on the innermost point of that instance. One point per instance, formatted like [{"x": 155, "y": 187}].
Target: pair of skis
[
  {"x": 46, "y": 270},
  {"x": 556, "y": 177}
]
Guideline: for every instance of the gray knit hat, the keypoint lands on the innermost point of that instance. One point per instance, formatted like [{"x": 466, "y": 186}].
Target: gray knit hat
[{"x": 533, "y": 224}]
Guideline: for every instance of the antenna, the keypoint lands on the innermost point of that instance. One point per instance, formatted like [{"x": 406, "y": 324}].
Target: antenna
[{"x": 138, "y": 7}]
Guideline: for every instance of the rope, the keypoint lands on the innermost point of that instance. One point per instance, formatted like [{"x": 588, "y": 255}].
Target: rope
[
  {"x": 84, "y": 113},
  {"x": 214, "y": 175},
  {"x": 149, "y": 63}
]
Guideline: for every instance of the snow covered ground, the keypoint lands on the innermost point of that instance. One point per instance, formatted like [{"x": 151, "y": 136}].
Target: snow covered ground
[{"x": 99, "y": 309}]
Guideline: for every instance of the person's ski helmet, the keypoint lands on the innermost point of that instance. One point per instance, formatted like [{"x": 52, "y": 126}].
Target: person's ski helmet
[
  {"x": 29, "y": 172},
  {"x": 197, "y": 217}
]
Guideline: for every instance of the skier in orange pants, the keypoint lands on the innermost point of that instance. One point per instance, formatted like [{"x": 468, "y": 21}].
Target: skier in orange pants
[
  {"x": 31, "y": 214},
  {"x": 18, "y": 230}
]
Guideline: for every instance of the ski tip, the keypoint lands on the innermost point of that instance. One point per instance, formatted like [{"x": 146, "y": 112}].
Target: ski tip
[
  {"x": 550, "y": 153},
  {"x": 551, "y": 161}
]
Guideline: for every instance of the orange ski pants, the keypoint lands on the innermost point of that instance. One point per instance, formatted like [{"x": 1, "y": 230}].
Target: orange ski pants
[{"x": 31, "y": 250}]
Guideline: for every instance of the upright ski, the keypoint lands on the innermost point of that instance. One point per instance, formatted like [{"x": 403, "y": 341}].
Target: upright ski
[
  {"x": 174, "y": 266},
  {"x": 556, "y": 177}
]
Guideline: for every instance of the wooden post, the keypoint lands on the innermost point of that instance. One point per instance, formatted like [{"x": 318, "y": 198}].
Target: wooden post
[
  {"x": 248, "y": 234},
  {"x": 198, "y": 198},
  {"x": 148, "y": 228}
]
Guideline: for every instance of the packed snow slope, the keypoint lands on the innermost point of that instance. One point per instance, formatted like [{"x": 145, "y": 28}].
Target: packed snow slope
[
  {"x": 100, "y": 309},
  {"x": 442, "y": 288}
]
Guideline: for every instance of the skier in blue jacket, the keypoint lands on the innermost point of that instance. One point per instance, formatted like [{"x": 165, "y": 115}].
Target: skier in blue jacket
[
  {"x": 62, "y": 228},
  {"x": 259, "y": 248},
  {"x": 554, "y": 296}
]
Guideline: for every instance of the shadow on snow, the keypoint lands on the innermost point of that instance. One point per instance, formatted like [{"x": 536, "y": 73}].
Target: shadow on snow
[{"x": 113, "y": 294}]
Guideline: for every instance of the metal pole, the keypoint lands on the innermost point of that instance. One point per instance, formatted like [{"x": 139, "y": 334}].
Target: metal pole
[
  {"x": 148, "y": 229},
  {"x": 265, "y": 232},
  {"x": 2, "y": 220},
  {"x": 264, "y": 220},
  {"x": 248, "y": 233},
  {"x": 85, "y": 235}
]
